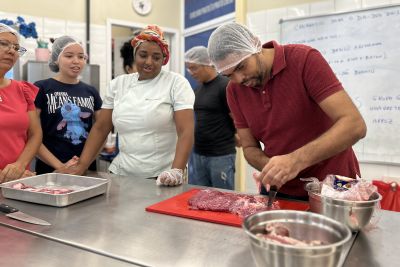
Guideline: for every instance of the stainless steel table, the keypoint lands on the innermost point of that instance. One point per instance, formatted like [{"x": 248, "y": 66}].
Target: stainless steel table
[
  {"x": 377, "y": 245},
  {"x": 24, "y": 250},
  {"x": 117, "y": 226}
]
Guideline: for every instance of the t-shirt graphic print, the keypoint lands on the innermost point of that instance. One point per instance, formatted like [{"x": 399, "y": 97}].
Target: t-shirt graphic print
[{"x": 75, "y": 127}]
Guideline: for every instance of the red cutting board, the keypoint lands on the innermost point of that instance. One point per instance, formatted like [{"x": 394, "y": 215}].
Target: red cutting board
[{"x": 178, "y": 206}]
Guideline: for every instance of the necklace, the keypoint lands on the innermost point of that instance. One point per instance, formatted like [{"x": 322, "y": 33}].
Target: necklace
[
  {"x": 3, "y": 84},
  {"x": 2, "y": 98}
]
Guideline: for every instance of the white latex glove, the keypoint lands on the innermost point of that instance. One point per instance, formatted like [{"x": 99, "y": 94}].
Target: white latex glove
[{"x": 171, "y": 177}]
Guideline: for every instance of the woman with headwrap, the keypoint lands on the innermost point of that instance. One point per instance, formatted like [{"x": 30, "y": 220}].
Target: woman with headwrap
[
  {"x": 152, "y": 111},
  {"x": 67, "y": 107},
  {"x": 20, "y": 132}
]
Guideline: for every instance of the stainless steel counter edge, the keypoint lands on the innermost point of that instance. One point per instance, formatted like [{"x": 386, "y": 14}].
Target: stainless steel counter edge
[
  {"x": 32, "y": 251},
  {"x": 117, "y": 225}
]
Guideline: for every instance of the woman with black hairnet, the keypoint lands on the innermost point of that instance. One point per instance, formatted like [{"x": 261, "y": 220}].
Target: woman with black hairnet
[
  {"x": 20, "y": 132},
  {"x": 67, "y": 107},
  {"x": 127, "y": 55}
]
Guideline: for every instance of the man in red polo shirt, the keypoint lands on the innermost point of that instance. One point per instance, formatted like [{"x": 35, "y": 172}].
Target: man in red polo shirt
[{"x": 288, "y": 98}]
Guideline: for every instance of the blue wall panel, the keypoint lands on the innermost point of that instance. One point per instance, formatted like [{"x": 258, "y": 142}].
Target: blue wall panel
[{"x": 197, "y": 11}]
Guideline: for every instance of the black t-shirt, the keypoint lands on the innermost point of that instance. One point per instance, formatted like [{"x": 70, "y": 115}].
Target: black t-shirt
[
  {"x": 214, "y": 129},
  {"x": 66, "y": 117}
]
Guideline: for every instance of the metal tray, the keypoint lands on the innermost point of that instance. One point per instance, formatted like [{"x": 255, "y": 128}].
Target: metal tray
[{"x": 84, "y": 187}]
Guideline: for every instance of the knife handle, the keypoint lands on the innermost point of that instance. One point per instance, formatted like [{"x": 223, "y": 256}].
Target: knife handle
[
  {"x": 273, "y": 188},
  {"x": 7, "y": 209}
]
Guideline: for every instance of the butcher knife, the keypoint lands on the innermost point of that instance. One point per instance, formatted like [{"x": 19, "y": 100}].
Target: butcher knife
[
  {"x": 18, "y": 215},
  {"x": 271, "y": 196}
]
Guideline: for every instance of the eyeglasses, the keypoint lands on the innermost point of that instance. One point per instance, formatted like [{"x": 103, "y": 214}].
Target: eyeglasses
[{"x": 6, "y": 45}]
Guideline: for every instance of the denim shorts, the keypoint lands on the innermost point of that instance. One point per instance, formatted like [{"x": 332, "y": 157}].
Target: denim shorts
[{"x": 213, "y": 171}]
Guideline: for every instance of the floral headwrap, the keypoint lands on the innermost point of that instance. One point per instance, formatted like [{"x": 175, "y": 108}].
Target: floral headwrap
[{"x": 155, "y": 34}]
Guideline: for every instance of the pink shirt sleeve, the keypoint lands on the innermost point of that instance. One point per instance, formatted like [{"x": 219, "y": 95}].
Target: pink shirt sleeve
[{"x": 30, "y": 91}]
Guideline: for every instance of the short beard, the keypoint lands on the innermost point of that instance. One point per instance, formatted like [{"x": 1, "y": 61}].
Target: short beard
[
  {"x": 259, "y": 77},
  {"x": 261, "y": 71}
]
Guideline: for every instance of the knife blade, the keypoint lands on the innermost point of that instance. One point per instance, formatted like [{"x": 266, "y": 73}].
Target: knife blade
[
  {"x": 18, "y": 215},
  {"x": 271, "y": 196}
]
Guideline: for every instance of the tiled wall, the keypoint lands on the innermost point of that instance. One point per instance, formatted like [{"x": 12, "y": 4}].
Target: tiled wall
[
  {"x": 47, "y": 28},
  {"x": 265, "y": 23}
]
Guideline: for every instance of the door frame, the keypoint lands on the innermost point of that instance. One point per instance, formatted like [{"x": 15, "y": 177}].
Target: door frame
[{"x": 175, "y": 44}]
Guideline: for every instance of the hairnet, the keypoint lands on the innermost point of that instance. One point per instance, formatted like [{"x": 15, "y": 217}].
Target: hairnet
[
  {"x": 230, "y": 44},
  {"x": 198, "y": 55},
  {"x": 58, "y": 47},
  {"x": 155, "y": 34},
  {"x": 6, "y": 28}
]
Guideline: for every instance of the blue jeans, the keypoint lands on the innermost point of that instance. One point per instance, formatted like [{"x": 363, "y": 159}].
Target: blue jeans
[{"x": 215, "y": 171}]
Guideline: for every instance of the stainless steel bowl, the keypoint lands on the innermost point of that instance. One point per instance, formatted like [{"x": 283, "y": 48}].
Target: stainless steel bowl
[
  {"x": 355, "y": 214},
  {"x": 303, "y": 226}
]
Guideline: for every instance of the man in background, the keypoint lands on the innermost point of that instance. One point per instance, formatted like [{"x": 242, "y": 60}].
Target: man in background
[{"x": 214, "y": 153}]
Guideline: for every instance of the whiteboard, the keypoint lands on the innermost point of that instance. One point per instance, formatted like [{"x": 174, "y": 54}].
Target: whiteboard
[{"x": 363, "y": 49}]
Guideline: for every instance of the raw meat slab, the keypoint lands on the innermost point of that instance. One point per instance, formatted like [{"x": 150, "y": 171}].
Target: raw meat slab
[{"x": 178, "y": 206}]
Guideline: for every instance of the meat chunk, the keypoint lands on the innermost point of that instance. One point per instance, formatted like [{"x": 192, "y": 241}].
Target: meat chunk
[
  {"x": 20, "y": 186},
  {"x": 48, "y": 190},
  {"x": 240, "y": 204},
  {"x": 277, "y": 229},
  {"x": 211, "y": 200},
  {"x": 278, "y": 233}
]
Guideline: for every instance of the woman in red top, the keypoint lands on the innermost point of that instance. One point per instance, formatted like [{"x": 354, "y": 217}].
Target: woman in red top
[{"x": 20, "y": 132}]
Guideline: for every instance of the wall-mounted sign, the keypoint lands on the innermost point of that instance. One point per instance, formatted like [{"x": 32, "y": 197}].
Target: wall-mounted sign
[{"x": 197, "y": 12}]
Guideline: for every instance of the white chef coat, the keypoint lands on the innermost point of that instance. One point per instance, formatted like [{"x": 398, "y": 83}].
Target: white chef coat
[{"x": 143, "y": 116}]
